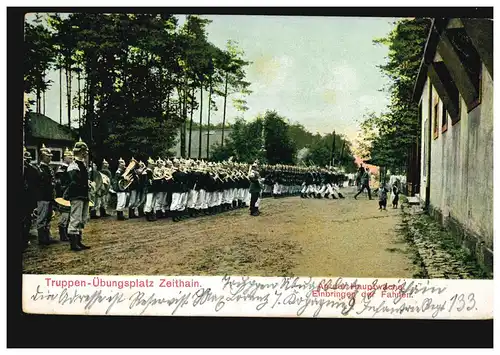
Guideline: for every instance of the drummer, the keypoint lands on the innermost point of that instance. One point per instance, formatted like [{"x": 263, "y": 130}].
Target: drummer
[{"x": 62, "y": 180}]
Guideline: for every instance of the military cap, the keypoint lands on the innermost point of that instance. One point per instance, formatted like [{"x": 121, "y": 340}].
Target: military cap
[
  {"x": 68, "y": 153},
  {"x": 45, "y": 151},
  {"x": 121, "y": 161},
  {"x": 151, "y": 161},
  {"x": 80, "y": 146},
  {"x": 104, "y": 162}
]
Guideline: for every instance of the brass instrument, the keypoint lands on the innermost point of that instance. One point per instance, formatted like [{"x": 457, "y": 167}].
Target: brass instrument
[
  {"x": 162, "y": 173},
  {"x": 127, "y": 177}
]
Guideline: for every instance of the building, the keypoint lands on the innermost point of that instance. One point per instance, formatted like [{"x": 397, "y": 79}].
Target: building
[
  {"x": 454, "y": 91},
  {"x": 215, "y": 135},
  {"x": 43, "y": 130}
]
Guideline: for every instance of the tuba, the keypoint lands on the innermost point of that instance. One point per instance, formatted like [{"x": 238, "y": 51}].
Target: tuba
[{"x": 127, "y": 177}]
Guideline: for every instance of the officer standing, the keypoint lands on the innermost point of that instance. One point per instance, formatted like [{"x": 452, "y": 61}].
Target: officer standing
[
  {"x": 62, "y": 182},
  {"x": 45, "y": 197},
  {"x": 255, "y": 189},
  {"x": 78, "y": 195}
]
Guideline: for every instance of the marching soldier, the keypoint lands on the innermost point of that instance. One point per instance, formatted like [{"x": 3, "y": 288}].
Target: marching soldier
[
  {"x": 150, "y": 193},
  {"x": 141, "y": 191},
  {"x": 62, "y": 182},
  {"x": 160, "y": 189},
  {"x": 30, "y": 177},
  {"x": 121, "y": 194},
  {"x": 45, "y": 197},
  {"x": 133, "y": 201},
  {"x": 78, "y": 195},
  {"x": 104, "y": 200}
]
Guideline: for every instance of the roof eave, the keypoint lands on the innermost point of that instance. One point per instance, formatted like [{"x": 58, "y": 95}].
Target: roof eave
[{"x": 437, "y": 26}]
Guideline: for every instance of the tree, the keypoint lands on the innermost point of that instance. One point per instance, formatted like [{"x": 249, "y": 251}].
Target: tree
[
  {"x": 38, "y": 58},
  {"x": 280, "y": 148},
  {"x": 138, "y": 72},
  {"x": 232, "y": 66},
  {"x": 398, "y": 128}
]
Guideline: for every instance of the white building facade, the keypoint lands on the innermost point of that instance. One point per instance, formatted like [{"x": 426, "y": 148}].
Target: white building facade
[{"x": 455, "y": 94}]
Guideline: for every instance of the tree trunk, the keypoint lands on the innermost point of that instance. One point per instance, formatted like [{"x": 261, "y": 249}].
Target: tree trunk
[
  {"x": 79, "y": 99},
  {"x": 209, "y": 109},
  {"x": 68, "y": 93},
  {"x": 191, "y": 124},
  {"x": 184, "y": 118},
  {"x": 224, "y": 114},
  {"x": 60, "y": 96},
  {"x": 38, "y": 103},
  {"x": 201, "y": 117},
  {"x": 180, "y": 115}
]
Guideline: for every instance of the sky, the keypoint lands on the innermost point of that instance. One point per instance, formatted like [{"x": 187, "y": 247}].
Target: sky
[{"x": 318, "y": 71}]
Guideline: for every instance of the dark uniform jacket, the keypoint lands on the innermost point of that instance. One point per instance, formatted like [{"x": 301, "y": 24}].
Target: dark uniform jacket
[
  {"x": 62, "y": 180},
  {"x": 78, "y": 187},
  {"x": 148, "y": 180},
  {"x": 118, "y": 175},
  {"x": 254, "y": 183},
  {"x": 46, "y": 183},
  {"x": 31, "y": 183}
]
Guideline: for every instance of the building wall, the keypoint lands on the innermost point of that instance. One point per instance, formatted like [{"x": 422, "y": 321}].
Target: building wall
[
  {"x": 461, "y": 186},
  {"x": 57, "y": 147}
]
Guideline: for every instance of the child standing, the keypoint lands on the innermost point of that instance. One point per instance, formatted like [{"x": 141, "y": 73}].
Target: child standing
[
  {"x": 382, "y": 197},
  {"x": 395, "y": 196}
]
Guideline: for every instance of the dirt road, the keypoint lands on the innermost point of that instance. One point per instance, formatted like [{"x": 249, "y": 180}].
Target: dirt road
[{"x": 293, "y": 236}]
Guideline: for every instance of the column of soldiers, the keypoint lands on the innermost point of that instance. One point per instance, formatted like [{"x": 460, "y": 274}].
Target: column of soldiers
[
  {"x": 179, "y": 188},
  {"x": 157, "y": 189},
  {"x": 186, "y": 188}
]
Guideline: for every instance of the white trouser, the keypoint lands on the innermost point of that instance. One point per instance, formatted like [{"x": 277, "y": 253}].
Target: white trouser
[
  {"x": 201, "y": 200},
  {"x": 150, "y": 202},
  {"x": 121, "y": 201},
  {"x": 192, "y": 198},
  {"x": 179, "y": 201},
  {"x": 133, "y": 199},
  {"x": 159, "y": 198},
  {"x": 176, "y": 201},
  {"x": 276, "y": 189},
  {"x": 165, "y": 205}
]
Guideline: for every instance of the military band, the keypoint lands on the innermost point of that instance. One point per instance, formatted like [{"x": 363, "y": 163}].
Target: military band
[{"x": 162, "y": 188}]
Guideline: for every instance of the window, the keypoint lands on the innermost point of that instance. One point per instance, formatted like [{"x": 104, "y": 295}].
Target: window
[
  {"x": 436, "y": 120},
  {"x": 444, "y": 120},
  {"x": 56, "y": 155}
]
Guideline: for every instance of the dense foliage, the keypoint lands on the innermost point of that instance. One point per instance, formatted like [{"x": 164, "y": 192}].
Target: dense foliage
[
  {"x": 135, "y": 71},
  {"x": 272, "y": 139},
  {"x": 389, "y": 135}
]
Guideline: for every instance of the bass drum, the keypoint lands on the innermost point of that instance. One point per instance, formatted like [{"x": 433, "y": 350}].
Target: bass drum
[{"x": 64, "y": 206}]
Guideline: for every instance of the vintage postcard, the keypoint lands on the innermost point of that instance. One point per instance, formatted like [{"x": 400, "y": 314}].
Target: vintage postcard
[{"x": 257, "y": 166}]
